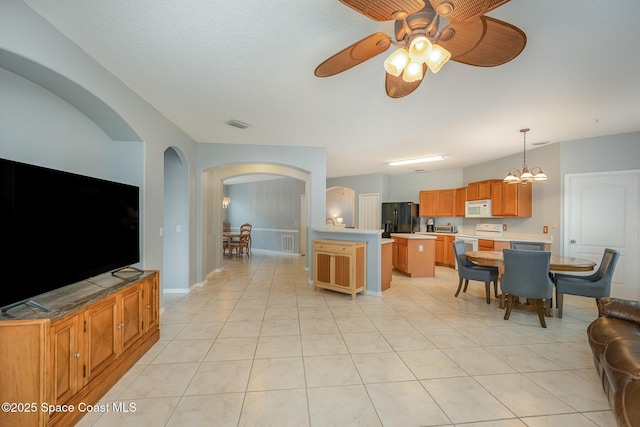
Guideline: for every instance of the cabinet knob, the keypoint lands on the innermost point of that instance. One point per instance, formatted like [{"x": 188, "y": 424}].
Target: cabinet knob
[
  {"x": 76, "y": 355},
  {"x": 148, "y": 307}
]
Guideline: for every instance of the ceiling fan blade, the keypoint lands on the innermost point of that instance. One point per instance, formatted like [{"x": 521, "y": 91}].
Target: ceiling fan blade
[
  {"x": 484, "y": 42},
  {"x": 397, "y": 88},
  {"x": 464, "y": 10},
  {"x": 353, "y": 55},
  {"x": 383, "y": 10}
]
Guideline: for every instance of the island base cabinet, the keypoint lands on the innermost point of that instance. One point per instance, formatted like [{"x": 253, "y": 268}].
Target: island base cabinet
[
  {"x": 76, "y": 359},
  {"x": 416, "y": 257},
  {"x": 340, "y": 265}
]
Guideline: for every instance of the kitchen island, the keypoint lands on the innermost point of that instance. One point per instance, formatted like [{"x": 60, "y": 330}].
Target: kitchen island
[{"x": 414, "y": 254}]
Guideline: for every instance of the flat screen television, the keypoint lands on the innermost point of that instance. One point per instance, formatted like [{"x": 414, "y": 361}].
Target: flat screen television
[{"x": 59, "y": 228}]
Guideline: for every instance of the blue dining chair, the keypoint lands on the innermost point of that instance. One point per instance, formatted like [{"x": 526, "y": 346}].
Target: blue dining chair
[
  {"x": 526, "y": 274},
  {"x": 596, "y": 285},
  {"x": 467, "y": 270},
  {"x": 528, "y": 246}
]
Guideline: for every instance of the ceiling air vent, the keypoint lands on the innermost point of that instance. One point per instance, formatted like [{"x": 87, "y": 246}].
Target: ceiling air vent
[{"x": 238, "y": 124}]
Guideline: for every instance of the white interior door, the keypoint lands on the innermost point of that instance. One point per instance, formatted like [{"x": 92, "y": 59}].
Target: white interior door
[
  {"x": 369, "y": 211},
  {"x": 601, "y": 211}
]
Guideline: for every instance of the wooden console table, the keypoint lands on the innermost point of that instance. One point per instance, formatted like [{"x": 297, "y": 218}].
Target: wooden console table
[
  {"x": 340, "y": 265},
  {"x": 60, "y": 362}
]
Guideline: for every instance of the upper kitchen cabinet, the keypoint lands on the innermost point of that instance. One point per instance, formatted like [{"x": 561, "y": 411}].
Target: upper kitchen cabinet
[
  {"x": 511, "y": 199},
  {"x": 428, "y": 203},
  {"x": 481, "y": 190},
  {"x": 437, "y": 202},
  {"x": 460, "y": 200}
]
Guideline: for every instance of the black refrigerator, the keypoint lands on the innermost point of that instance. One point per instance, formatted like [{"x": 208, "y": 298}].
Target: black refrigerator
[{"x": 400, "y": 217}]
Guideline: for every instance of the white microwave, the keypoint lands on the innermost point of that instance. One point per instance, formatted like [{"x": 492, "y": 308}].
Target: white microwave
[{"x": 477, "y": 209}]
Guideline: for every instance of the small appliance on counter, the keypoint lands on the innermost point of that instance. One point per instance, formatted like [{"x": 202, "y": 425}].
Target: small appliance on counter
[
  {"x": 446, "y": 229},
  {"x": 430, "y": 225}
]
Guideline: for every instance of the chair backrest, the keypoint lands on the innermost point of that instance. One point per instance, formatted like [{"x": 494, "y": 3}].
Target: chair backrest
[
  {"x": 528, "y": 246},
  {"x": 245, "y": 228},
  {"x": 459, "y": 249},
  {"x": 526, "y": 273},
  {"x": 226, "y": 227},
  {"x": 607, "y": 265}
]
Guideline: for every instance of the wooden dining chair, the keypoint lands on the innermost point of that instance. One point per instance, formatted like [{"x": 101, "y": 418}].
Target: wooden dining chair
[
  {"x": 242, "y": 244},
  {"x": 526, "y": 274},
  {"x": 596, "y": 285},
  {"x": 226, "y": 229}
]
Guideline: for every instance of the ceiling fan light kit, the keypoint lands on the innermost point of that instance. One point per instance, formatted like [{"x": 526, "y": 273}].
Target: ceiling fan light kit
[
  {"x": 468, "y": 37},
  {"x": 517, "y": 176},
  {"x": 396, "y": 62}
]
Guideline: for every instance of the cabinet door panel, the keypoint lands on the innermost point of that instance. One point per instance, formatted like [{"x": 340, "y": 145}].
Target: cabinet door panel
[
  {"x": 132, "y": 311},
  {"x": 323, "y": 268},
  {"x": 342, "y": 270},
  {"x": 428, "y": 203},
  {"x": 100, "y": 337},
  {"x": 65, "y": 356}
]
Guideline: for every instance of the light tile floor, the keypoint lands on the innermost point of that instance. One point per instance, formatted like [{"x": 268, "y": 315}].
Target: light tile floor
[{"x": 257, "y": 346}]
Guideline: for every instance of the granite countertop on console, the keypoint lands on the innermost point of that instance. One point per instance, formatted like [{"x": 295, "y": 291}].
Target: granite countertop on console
[{"x": 70, "y": 298}]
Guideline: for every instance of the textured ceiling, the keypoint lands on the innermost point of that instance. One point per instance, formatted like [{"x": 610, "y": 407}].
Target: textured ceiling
[{"x": 204, "y": 62}]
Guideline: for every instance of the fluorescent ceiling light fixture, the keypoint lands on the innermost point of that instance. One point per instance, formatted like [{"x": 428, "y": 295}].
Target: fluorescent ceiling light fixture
[{"x": 416, "y": 160}]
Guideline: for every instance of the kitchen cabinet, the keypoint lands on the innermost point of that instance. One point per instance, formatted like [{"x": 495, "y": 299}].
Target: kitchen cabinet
[
  {"x": 439, "y": 250},
  {"x": 416, "y": 256},
  {"x": 511, "y": 199},
  {"x": 481, "y": 190},
  {"x": 460, "y": 200},
  {"x": 437, "y": 203},
  {"x": 386, "y": 265},
  {"x": 485, "y": 245},
  {"x": 449, "y": 255},
  {"x": 444, "y": 254},
  {"x": 445, "y": 202},
  {"x": 428, "y": 203},
  {"x": 78, "y": 351},
  {"x": 340, "y": 265}
]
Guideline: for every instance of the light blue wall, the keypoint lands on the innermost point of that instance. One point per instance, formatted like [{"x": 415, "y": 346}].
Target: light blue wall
[
  {"x": 605, "y": 153},
  {"x": 272, "y": 207}
]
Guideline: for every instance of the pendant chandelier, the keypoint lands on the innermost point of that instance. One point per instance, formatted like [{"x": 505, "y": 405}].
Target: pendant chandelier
[{"x": 525, "y": 175}]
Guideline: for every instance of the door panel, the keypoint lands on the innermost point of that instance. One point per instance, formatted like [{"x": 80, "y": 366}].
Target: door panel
[{"x": 601, "y": 211}]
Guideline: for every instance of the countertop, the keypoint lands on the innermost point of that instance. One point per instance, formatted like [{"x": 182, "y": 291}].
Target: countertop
[
  {"x": 506, "y": 237},
  {"x": 414, "y": 236}
]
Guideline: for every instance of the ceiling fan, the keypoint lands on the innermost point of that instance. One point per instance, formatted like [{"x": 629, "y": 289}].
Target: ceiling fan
[{"x": 426, "y": 43}]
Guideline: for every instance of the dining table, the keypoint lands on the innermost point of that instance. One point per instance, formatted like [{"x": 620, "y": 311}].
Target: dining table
[
  {"x": 227, "y": 237},
  {"x": 557, "y": 264}
]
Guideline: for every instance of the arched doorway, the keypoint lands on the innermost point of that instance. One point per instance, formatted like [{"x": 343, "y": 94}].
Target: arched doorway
[
  {"x": 175, "y": 255},
  {"x": 212, "y": 214},
  {"x": 341, "y": 203}
]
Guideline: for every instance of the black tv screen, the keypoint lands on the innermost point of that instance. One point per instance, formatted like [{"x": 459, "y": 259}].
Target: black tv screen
[{"x": 59, "y": 228}]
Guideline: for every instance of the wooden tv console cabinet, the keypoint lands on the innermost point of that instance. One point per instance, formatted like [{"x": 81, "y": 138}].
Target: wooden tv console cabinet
[{"x": 56, "y": 366}]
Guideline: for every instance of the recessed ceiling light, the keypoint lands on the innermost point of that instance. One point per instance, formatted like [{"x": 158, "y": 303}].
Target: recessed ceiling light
[{"x": 416, "y": 160}]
